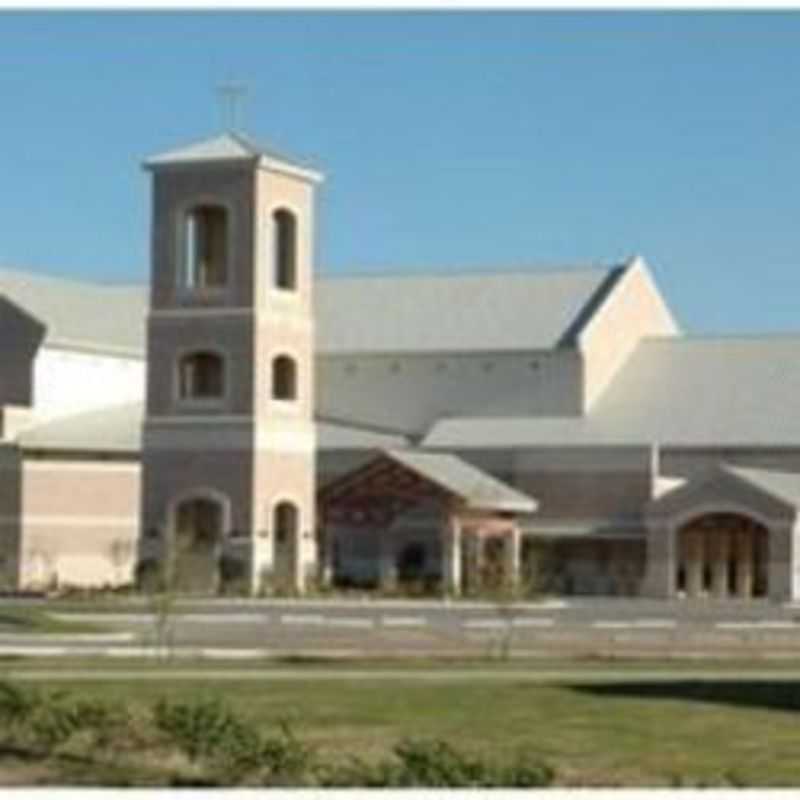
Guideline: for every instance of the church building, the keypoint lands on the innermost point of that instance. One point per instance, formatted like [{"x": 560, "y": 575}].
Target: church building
[{"x": 243, "y": 425}]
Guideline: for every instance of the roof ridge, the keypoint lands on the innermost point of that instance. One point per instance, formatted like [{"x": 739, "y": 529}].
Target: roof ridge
[
  {"x": 469, "y": 272},
  {"x": 710, "y": 338}
]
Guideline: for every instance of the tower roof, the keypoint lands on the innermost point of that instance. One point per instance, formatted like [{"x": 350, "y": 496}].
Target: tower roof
[{"x": 230, "y": 146}]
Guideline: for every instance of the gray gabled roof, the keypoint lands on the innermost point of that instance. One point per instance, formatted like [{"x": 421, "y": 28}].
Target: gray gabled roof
[
  {"x": 504, "y": 311},
  {"x": 81, "y": 314},
  {"x": 715, "y": 391},
  {"x": 784, "y": 486},
  {"x": 530, "y": 310},
  {"x": 118, "y": 429},
  {"x": 227, "y": 146},
  {"x": 476, "y": 488}
]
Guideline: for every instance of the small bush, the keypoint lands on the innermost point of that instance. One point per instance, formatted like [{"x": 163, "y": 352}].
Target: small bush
[
  {"x": 197, "y": 729},
  {"x": 60, "y": 716},
  {"x": 208, "y": 733},
  {"x": 436, "y": 764},
  {"x": 17, "y": 703}
]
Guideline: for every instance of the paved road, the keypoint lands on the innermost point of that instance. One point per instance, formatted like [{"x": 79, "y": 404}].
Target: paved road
[{"x": 597, "y": 626}]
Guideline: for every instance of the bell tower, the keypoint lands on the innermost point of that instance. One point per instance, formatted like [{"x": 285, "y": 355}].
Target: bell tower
[{"x": 228, "y": 454}]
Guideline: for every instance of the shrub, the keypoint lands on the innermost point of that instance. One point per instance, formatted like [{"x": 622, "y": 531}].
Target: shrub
[
  {"x": 435, "y": 764},
  {"x": 60, "y": 716},
  {"x": 288, "y": 761},
  {"x": 197, "y": 729},
  {"x": 17, "y": 703},
  {"x": 207, "y": 732}
]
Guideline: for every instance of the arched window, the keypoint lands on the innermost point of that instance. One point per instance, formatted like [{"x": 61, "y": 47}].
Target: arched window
[
  {"x": 206, "y": 247},
  {"x": 284, "y": 378},
  {"x": 285, "y": 254},
  {"x": 201, "y": 375},
  {"x": 285, "y": 521}
]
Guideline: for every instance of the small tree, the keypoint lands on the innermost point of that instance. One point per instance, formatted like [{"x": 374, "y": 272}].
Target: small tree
[
  {"x": 507, "y": 592},
  {"x": 159, "y": 586}
]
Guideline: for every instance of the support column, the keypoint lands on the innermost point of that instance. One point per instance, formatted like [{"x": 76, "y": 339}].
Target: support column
[
  {"x": 451, "y": 555},
  {"x": 719, "y": 566},
  {"x": 695, "y": 557},
  {"x": 326, "y": 539},
  {"x": 512, "y": 553},
  {"x": 744, "y": 564},
  {"x": 387, "y": 567}
]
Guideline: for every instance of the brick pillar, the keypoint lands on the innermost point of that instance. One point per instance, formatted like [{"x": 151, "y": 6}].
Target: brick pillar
[{"x": 451, "y": 555}]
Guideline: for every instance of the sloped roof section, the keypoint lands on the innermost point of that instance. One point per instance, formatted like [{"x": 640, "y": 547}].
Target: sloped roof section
[
  {"x": 715, "y": 391},
  {"x": 476, "y": 488},
  {"x": 118, "y": 429},
  {"x": 530, "y": 310},
  {"x": 783, "y": 486},
  {"x": 228, "y": 146},
  {"x": 80, "y": 313}
]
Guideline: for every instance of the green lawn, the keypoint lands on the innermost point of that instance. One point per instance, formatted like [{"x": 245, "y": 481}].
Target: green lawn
[{"x": 622, "y": 733}]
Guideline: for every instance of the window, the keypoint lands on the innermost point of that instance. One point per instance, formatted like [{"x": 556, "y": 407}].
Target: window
[
  {"x": 285, "y": 520},
  {"x": 285, "y": 254},
  {"x": 201, "y": 376},
  {"x": 284, "y": 378},
  {"x": 206, "y": 247}
]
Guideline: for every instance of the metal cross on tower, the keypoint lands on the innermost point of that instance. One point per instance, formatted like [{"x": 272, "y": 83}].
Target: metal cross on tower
[{"x": 231, "y": 96}]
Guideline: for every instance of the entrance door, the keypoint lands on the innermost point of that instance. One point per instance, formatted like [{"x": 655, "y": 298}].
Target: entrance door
[
  {"x": 196, "y": 540},
  {"x": 723, "y": 555}
]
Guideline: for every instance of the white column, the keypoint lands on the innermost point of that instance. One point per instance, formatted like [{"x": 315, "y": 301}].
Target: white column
[
  {"x": 513, "y": 547},
  {"x": 451, "y": 555},
  {"x": 695, "y": 560},
  {"x": 744, "y": 564},
  {"x": 326, "y": 558},
  {"x": 387, "y": 568},
  {"x": 719, "y": 565}
]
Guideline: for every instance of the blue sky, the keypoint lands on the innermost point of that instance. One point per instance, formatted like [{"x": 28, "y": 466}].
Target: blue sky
[{"x": 451, "y": 141}]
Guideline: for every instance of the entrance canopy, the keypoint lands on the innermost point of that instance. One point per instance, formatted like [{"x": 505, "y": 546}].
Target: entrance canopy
[
  {"x": 765, "y": 494},
  {"x": 397, "y": 480}
]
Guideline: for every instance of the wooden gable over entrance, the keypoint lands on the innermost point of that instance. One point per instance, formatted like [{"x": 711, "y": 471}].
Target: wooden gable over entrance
[
  {"x": 474, "y": 504},
  {"x": 396, "y": 480}
]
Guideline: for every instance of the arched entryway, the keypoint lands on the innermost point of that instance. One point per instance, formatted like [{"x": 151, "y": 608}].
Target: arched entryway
[
  {"x": 198, "y": 526},
  {"x": 722, "y": 555}
]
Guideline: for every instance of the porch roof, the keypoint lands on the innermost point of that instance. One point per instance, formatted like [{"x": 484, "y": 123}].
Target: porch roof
[
  {"x": 769, "y": 491},
  {"x": 439, "y": 475}
]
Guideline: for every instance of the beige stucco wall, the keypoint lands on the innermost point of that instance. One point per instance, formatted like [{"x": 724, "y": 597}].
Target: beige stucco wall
[
  {"x": 79, "y": 522},
  {"x": 632, "y": 310}
]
